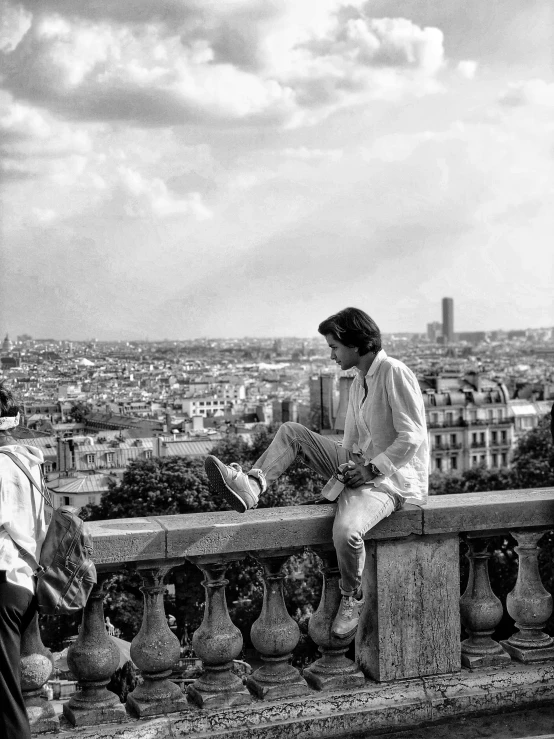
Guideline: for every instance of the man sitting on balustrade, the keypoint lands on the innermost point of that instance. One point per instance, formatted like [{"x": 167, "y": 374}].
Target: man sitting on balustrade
[{"x": 381, "y": 463}]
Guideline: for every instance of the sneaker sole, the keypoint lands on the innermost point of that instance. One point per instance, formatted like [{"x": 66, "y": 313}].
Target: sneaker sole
[{"x": 220, "y": 487}]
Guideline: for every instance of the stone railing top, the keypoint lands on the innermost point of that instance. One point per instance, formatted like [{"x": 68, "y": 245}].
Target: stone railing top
[{"x": 210, "y": 535}]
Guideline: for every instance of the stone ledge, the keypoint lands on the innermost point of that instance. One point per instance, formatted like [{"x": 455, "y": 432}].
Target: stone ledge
[
  {"x": 499, "y": 510},
  {"x": 228, "y": 533},
  {"x": 127, "y": 540},
  {"x": 377, "y": 708}
]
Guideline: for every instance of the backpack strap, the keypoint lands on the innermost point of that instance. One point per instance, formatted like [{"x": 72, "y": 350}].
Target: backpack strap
[
  {"x": 15, "y": 459},
  {"x": 26, "y": 556}
]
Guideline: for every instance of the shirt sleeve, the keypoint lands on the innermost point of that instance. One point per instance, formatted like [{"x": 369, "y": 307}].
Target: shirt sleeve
[
  {"x": 351, "y": 434},
  {"x": 408, "y": 417}
]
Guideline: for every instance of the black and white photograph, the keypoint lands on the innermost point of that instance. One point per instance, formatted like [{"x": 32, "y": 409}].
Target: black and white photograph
[{"x": 277, "y": 369}]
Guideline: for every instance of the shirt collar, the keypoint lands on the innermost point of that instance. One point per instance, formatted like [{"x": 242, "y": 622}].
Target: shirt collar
[{"x": 379, "y": 359}]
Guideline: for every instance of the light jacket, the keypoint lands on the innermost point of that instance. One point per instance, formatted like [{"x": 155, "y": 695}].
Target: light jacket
[{"x": 21, "y": 513}]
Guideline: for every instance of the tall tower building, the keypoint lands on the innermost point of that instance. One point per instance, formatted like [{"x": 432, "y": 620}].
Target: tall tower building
[{"x": 448, "y": 320}]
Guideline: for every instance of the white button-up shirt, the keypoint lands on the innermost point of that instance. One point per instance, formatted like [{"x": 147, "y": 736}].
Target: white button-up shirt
[{"x": 387, "y": 427}]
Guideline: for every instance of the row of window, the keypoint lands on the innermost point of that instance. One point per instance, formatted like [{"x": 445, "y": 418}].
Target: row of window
[
  {"x": 110, "y": 456},
  {"x": 477, "y": 437},
  {"x": 452, "y": 417},
  {"x": 452, "y": 463}
]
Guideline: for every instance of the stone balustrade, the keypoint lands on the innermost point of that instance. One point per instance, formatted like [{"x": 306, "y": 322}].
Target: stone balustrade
[{"x": 409, "y": 635}]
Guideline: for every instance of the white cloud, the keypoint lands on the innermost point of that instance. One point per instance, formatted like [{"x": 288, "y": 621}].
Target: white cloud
[
  {"x": 304, "y": 154},
  {"x": 245, "y": 61},
  {"x": 151, "y": 198},
  {"x": 467, "y": 68},
  {"x": 44, "y": 215},
  {"x": 529, "y": 92},
  {"x": 15, "y": 21},
  {"x": 29, "y": 131}
]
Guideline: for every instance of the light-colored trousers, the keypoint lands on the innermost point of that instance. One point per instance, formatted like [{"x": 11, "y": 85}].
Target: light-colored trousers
[{"x": 358, "y": 509}]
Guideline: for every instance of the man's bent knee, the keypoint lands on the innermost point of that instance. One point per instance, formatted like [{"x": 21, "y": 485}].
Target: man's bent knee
[
  {"x": 291, "y": 428},
  {"x": 346, "y": 538}
]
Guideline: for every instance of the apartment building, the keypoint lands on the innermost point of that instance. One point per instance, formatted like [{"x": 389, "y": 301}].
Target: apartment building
[
  {"x": 203, "y": 405},
  {"x": 471, "y": 420}
]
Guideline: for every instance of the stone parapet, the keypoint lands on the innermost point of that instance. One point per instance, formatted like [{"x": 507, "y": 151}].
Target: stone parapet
[
  {"x": 227, "y": 533},
  {"x": 411, "y": 666},
  {"x": 373, "y": 708}
]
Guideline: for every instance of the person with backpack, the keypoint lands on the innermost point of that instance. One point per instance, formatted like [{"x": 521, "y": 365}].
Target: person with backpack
[{"x": 22, "y": 522}]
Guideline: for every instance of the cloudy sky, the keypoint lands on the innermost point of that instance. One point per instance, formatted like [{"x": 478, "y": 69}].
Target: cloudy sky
[{"x": 184, "y": 168}]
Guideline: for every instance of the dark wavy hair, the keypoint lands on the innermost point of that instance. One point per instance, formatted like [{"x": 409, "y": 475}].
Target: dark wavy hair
[
  {"x": 8, "y": 406},
  {"x": 354, "y": 328}
]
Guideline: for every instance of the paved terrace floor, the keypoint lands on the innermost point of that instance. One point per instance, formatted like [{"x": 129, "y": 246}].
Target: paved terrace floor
[{"x": 533, "y": 723}]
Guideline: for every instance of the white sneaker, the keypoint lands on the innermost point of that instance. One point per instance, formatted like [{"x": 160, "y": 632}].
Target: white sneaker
[
  {"x": 348, "y": 615},
  {"x": 237, "y": 487}
]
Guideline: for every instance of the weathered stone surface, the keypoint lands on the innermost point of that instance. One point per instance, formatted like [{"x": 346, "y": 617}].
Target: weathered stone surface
[
  {"x": 376, "y": 708},
  {"x": 316, "y": 715},
  {"x": 202, "y": 534},
  {"x": 155, "y": 651},
  {"x": 93, "y": 658},
  {"x": 529, "y": 604},
  {"x": 489, "y": 690},
  {"x": 333, "y": 670},
  {"x": 480, "y": 610},
  {"x": 217, "y": 642},
  {"x": 127, "y": 540},
  {"x": 36, "y": 668},
  {"x": 501, "y": 510},
  {"x": 275, "y": 634},
  {"x": 410, "y": 625},
  {"x": 157, "y": 728}
]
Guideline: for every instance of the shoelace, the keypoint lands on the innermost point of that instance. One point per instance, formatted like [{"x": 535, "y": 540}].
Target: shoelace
[
  {"x": 348, "y": 607},
  {"x": 236, "y": 467}
]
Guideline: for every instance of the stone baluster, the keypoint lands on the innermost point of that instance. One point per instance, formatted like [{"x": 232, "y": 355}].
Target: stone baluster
[
  {"x": 155, "y": 651},
  {"x": 529, "y": 604},
  {"x": 92, "y": 659},
  {"x": 275, "y": 634},
  {"x": 480, "y": 610},
  {"x": 333, "y": 670},
  {"x": 217, "y": 642},
  {"x": 36, "y": 668}
]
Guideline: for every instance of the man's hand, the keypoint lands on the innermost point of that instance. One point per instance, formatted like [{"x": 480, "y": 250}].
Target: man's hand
[{"x": 355, "y": 475}]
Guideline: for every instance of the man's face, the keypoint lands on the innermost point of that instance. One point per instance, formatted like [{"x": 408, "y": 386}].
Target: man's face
[{"x": 345, "y": 356}]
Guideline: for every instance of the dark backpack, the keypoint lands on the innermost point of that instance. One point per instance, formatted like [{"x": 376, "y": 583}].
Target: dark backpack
[{"x": 65, "y": 572}]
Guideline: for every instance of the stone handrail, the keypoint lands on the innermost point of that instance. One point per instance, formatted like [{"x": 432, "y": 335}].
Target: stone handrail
[
  {"x": 195, "y": 535},
  {"x": 410, "y": 627}
]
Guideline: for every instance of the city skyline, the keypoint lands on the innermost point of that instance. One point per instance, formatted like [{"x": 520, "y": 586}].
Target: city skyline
[
  {"x": 245, "y": 337},
  {"x": 248, "y": 168}
]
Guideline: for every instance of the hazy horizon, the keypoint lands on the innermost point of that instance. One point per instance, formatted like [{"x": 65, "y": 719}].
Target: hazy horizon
[
  {"x": 238, "y": 337},
  {"x": 195, "y": 169}
]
